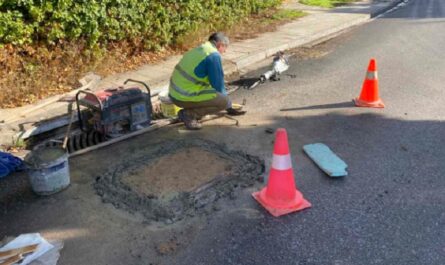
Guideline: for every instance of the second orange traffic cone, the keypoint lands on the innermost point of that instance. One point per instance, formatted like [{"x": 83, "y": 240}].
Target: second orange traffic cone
[
  {"x": 369, "y": 97},
  {"x": 281, "y": 196}
]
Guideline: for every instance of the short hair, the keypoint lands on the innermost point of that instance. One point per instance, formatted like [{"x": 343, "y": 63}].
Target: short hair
[{"x": 219, "y": 37}]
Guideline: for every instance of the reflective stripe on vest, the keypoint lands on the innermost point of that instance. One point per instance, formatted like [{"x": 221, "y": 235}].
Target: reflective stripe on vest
[
  {"x": 185, "y": 85},
  {"x": 189, "y": 77},
  {"x": 188, "y": 94}
]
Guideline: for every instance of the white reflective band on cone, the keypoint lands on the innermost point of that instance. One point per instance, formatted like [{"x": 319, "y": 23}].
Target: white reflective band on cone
[
  {"x": 371, "y": 75},
  {"x": 281, "y": 162}
]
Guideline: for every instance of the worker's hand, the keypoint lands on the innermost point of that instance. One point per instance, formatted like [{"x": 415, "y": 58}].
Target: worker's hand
[{"x": 234, "y": 112}]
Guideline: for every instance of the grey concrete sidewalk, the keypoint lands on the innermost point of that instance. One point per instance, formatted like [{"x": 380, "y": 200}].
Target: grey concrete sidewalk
[{"x": 319, "y": 25}]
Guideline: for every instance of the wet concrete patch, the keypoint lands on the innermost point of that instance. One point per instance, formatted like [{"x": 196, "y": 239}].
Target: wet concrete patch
[
  {"x": 183, "y": 171},
  {"x": 177, "y": 179}
]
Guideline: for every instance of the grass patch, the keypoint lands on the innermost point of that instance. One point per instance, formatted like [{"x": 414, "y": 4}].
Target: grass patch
[
  {"x": 288, "y": 14},
  {"x": 28, "y": 74},
  {"x": 325, "y": 3}
]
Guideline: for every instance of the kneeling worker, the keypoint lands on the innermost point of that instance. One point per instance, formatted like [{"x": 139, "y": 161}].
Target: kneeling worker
[{"x": 197, "y": 82}]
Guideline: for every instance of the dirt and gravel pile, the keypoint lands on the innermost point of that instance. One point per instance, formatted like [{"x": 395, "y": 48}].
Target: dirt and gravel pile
[{"x": 178, "y": 179}]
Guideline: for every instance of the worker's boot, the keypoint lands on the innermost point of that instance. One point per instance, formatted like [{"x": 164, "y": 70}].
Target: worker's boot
[
  {"x": 190, "y": 123},
  {"x": 193, "y": 124}
]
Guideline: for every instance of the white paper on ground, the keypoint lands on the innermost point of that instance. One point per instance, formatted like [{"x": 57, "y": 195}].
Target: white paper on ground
[
  {"x": 51, "y": 256},
  {"x": 26, "y": 240}
]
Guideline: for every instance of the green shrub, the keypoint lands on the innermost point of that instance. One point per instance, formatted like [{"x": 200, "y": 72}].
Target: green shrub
[{"x": 154, "y": 22}]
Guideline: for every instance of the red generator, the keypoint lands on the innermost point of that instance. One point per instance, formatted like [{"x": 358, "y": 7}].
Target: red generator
[{"x": 114, "y": 111}]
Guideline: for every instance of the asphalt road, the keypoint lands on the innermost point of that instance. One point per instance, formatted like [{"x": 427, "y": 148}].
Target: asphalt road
[{"x": 391, "y": 207}]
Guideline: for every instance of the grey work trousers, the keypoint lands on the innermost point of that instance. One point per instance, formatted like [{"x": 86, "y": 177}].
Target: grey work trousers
[{"x": 197, "y": 110}]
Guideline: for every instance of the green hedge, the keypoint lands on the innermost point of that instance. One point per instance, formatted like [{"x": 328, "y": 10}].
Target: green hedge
[{"x": 155, "y": 22}]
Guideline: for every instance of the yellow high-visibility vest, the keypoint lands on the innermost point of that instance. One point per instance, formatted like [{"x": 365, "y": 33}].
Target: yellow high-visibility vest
[{"x": 184, "y": 84}]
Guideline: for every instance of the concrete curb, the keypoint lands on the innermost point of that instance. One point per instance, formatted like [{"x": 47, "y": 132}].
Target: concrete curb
[{"x": 386, "y": 8}]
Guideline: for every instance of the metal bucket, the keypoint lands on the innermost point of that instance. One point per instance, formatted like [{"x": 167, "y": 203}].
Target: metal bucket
[{"x": 48, "y": 169}]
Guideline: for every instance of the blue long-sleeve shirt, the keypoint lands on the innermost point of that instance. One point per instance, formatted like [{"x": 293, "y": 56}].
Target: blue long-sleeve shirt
[{"x": 211, "y": 66}]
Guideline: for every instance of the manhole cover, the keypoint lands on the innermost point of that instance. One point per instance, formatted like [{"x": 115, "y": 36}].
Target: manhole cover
[{"x": 178, "y": 179}]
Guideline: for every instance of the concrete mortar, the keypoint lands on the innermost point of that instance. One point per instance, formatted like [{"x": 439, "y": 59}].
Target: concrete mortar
[{"x": 176, "y": 206}]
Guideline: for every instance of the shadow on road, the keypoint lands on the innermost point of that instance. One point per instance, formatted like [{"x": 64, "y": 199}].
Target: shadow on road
[
  {"x": 346, "y": 104},
  {"x": 244, "y": 83},
  {"x": 388, "y": 159}
]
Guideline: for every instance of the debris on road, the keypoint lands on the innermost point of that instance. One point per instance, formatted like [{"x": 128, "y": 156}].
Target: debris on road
[
  {"x": 30, "y": 249},
  {"x": 9, "y": 164}
]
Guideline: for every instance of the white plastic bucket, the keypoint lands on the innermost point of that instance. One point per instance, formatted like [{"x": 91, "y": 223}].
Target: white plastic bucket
[{"x": 48, "y": 177}]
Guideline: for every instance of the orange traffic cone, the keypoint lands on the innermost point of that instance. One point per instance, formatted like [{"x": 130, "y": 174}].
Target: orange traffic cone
[
  {"x": 369, "y": 97},
  {"x": 280, "y": 196}
]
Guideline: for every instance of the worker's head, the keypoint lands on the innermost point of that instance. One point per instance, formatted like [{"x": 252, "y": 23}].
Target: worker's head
[{"x": 220, "y": 41}]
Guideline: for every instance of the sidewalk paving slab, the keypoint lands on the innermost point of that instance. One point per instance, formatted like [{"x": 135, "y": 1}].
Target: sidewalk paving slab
[{"x": 319, "y": 25}]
